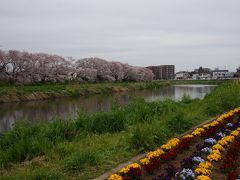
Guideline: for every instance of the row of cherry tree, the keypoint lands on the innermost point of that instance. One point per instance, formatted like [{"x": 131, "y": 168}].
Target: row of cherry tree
[{"x": 30, "y": 68}]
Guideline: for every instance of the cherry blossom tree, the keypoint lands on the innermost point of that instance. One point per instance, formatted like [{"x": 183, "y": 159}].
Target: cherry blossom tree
[
  {"x": 3, "y": 66},
  {"x": 30, "y": 68},
  {"x": 101, "y": 66}
]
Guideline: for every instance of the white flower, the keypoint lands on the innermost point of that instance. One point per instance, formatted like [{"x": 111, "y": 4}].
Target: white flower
[
  {"x": 220, "y": 134},
  {"x": 185, "y": 174},
  {"x": 229, "y": 125},
  {"x": 210, "y": 141},
  {"x": 206, "y": 150}
]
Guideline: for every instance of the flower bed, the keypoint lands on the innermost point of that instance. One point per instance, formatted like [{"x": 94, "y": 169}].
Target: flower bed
[{"x": 211, "y": 140}]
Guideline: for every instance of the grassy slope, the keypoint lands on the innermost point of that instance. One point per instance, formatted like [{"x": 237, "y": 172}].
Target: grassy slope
[
  {"x": 94, "y": 143},
  {"x": 75, "y": 88},
  {"x": 88, "y": 88}
]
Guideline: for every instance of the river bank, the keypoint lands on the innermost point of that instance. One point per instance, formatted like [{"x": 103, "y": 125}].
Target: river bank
[
  {"x": 91, "y": 144},
  {"x": 13, "y": 93},
  {"x": 68, "y": 107}
]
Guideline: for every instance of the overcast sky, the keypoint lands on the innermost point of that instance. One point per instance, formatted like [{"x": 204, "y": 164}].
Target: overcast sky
[{"x": 186, "y": 33}]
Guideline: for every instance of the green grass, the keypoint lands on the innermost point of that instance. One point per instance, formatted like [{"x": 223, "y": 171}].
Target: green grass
[
  {"x": 23, "y": 92},
  {"x": 10, "y": 92},
  {"x": 93, "y": 143},
  {"x": 73, "y": 88}
]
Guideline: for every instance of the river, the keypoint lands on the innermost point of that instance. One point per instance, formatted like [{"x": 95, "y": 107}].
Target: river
[{"x": 66, "y": 108}]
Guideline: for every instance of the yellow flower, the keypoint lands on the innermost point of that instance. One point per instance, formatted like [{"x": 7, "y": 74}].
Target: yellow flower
[
  {"x": 216, "y": 151},
  {"x": 203, "y": 171},
  {"x": 198, "y": 132},
  {"x": 135, "y": 165},
  {"x": 206, "y": 126},
  {"x": 125, "y": 170},
  {"x": 212, "y": 124},
  {"x": 205, "y": 165},
  {"x": 202, "y": 177},
  {"x": 171, "y": 144},
  {"x": 173, "y": 141},
  {"x": 236, "y": 110},
  {"x": 114, "y": 177},
  {"x": 214, "y": 157},
  {"x": 154, "y": 154},
  {"x": 166, "y": 147},
  {"x": 228, "y": 138},
  {"x": 144, "y": 161},
  {"x": 188, "y": 136},
  {"x": 235, "y": 133},
  {"x": 220, "y": 119},
  {"x": 222, "y": 142},
  {"x": 218, "y": 147}
]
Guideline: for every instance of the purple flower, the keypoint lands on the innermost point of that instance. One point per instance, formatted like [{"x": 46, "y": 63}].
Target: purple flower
[
  {"x": 227, "y": 131},
  {"x": 210, "y": 141},
  {"x": 229, "y": 125},
  {"x": 206, "y": 150},
  {"x": 185, "y": 174},
  {"x": 220, "y": 135},
  {"x": 197, "y": 159}
]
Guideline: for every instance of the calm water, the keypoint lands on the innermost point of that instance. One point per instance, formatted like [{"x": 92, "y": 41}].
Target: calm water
[{"x": 68, "y": 107}]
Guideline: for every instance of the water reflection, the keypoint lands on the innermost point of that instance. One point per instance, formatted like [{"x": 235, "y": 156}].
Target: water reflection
[{"x": 66, "y": 108}]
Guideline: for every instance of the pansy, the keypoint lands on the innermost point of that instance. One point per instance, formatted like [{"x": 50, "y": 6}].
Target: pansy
[
  {"x": 185, "y": 174},
  {"x": 125, "y": 170},
  {"x": 218, "y": 147},
  {"x": 220, "y": 134},
  {"x": 202, "y": 177},
  {"x": 214, "y": 157},
  {"x": 171, "y": 144},
  {"x": 144, "y": 161},
  {"x": 198, "y": 132},
  {"x": 114, "y": 177},
  {"x": 205, "y": 165},
  {"x": 203, "y": 171},
  {"x": 210, "y": 141},
  {"x": 235, "y": 133},
  {"x": 197, "y": 159},
  {"x": 229, "y": 125},
  {"x": 206, "y": 150},
  {"x": 154, "y": 154}
]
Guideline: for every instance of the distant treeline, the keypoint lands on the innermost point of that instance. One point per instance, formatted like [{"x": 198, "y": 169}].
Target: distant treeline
[{"x": 32, "y": 68}]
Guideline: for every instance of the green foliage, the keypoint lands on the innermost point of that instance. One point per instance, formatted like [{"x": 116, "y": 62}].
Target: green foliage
[
  {"x": 186, "y": 99},
  {"x": 141, "y": 139},
  {"x": 223, "y": 98},
  {"x": 59, "y": 130},
  {"x": 79, "y": 160},
  {"x": 139, "y": 111},
  {"x": 179, "y": 123},
  {"x": 102, "y": 122}
]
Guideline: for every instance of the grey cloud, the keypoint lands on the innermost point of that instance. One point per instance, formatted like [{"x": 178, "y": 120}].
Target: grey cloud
[{"x": 187, "y": 33}]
